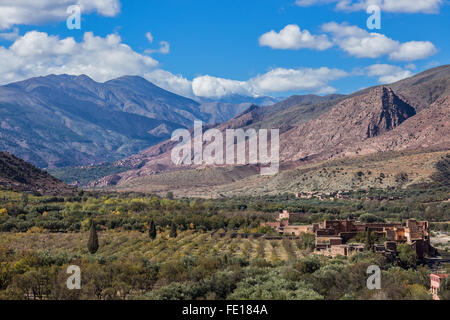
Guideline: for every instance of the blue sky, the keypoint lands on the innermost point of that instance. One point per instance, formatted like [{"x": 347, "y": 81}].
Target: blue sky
[{"x": 216, "y": 47}]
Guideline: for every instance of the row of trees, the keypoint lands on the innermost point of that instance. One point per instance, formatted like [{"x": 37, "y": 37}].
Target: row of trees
[
  {"x": 34, "y": 275},
  {"x": 93, "y": 243}
]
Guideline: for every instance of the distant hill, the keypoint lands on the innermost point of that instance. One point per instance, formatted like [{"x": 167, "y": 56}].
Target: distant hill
[
  {"x": 18, "y": 175},
  {"x": 63, "y": 120}
]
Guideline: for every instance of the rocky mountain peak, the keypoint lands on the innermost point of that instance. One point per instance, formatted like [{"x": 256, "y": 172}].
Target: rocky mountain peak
[{"x": 392, "y": 113}]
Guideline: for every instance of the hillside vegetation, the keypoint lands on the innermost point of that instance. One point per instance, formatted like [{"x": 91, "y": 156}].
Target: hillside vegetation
[
  {"x": 197, "y": 252},
  {"x": 18, "y": 175}
]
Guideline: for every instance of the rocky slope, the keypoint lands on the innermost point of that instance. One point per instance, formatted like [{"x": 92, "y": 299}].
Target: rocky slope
[
  {"x": 373, "y": 120},
  {"x": 18, "y": 175},
  {"x": 352, "y": 121}
]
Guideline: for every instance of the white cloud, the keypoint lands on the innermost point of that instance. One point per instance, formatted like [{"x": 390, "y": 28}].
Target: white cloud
[
  {"x": 362, "y": 44},
  {"x": 10, "y": 35},
  {"x": 37, "y": 53},
  {"x": 174, "y": 83},
  {"x": 164, "y": 48},
  {"x": 291, "y": 37},
  {"x": 105, "y": 58},
  {"x": 411, "y": 66},
  {"x": 400, "y": 6},
  {"x": 207, "y": 86},
  {"x": 387, "y": 73},
  {"x": 276, "y": 80},
  {"x": 355, "y": 41},
  {"x": 149, "y": 37},
  {"x": 16, "y": 12},
  {"x": 358, "y": 42},
  {"x": 279, "y": 80},
  {"x": 414, "y": 50}
]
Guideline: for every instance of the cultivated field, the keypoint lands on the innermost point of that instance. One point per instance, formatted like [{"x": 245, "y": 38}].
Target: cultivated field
[{"x": 133, "y": 244}]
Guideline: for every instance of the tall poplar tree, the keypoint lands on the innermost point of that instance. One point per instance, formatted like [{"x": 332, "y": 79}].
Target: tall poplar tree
[{"x": 93, "y": 239}]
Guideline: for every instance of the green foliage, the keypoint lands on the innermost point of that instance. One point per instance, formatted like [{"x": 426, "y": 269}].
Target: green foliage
[
  {"x": 369, "y": 218},
  {"x": 262, "y": 285},
  {"x": 407, "y": 255},
  {"x": 173, "y": 230},
  {"x": 444, "y": 292},
  {"x": 195, "y": 257},
  {"x": 308, "y": 265},
  {"x": 152, "y": 230},
  {"x": 169, "y": 195},
  {"x": 93, "y": 239},
  {"x": 307, "y": 241}
]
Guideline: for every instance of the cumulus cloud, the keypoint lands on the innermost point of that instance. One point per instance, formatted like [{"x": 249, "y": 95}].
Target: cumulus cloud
[
  {"x": 387, "y": 73},
  {"x": 16, "y": 12},
  {"x": 37, "y": 53},
  {"x": 400, "y": 6},
  {"x": 213, "y": 87},
  {"x": 414, "y": 50},
  {"x": 291, "y": 37},
  {"x": 104, "y": 58},
  {"x": 352, "y": 39},
  {"x": 362, "y": 44},
  {"x": 171, "y": 82},
  {"x": 276, "y": 80}
]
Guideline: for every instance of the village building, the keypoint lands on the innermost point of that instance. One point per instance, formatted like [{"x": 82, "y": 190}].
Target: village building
[
  {"x": 283, "y": 226},
  {"x": 297, "y": 230},
  {"x": 436, "y": 280},
  {"x": 333, "y": 236},
  {"x": 287, "y": 215},
  {"x": 415, "y": 233}
]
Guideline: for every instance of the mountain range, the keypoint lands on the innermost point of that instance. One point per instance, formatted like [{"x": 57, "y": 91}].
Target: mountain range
[
  {"x": 63, "y": 120},
  {"x": 125, "y": 126},
  {"x": 412, "y": 114}
]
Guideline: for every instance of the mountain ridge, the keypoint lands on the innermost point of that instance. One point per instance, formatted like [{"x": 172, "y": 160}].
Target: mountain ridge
[
  {"x": 65, "y": 120},
  {"x": 343, "y": 126}
]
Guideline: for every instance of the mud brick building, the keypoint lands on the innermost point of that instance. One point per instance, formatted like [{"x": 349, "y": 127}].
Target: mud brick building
[
  {"x": 415, "y": 233},
  {"x": 332, "y": 236},
  {"x": 287, "y": 215},
  {"x": 436, "y": 280}
]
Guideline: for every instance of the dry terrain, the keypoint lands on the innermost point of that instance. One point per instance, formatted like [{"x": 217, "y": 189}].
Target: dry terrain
[{"x": 395, "y": 169}]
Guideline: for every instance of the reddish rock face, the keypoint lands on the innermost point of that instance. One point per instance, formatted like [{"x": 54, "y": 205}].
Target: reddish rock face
[
  {"x": 394, "y": 111},
  {"x": 353, "y": 120}
]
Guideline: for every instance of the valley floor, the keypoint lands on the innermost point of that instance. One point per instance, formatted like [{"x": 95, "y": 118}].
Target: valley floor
[{"x": 379, "y": 171}]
